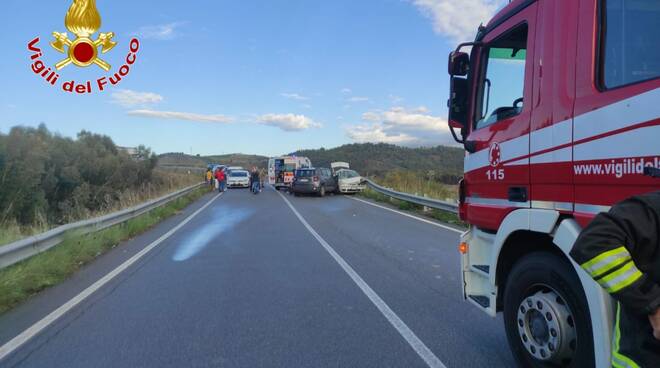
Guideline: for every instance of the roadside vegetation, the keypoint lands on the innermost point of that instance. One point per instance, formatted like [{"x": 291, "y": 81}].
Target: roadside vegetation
[
  {"x": 443, "y": 164},
  {"x": 421, "y": 184},
  {"x": 402, "y": 182},
  {"x": 25, "y": 279},
  {"x": 47, "y": 180}
]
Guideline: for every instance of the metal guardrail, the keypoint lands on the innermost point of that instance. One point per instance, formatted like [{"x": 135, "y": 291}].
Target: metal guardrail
[
  {"x": 424, "y": 201},
  {"x": 27, "y": 247}
]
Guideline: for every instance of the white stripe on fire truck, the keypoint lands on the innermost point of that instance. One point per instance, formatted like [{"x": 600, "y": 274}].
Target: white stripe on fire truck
[
  {"x": 606, "y": 119},
  {"x": 634, "y": 110}
]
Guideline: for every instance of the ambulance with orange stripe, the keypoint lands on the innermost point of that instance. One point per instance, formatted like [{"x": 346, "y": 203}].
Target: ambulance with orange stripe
[{"x": 558, "y": 107}]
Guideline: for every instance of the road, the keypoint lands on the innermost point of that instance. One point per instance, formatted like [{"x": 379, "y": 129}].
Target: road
[{"x": 247, "y": 282}]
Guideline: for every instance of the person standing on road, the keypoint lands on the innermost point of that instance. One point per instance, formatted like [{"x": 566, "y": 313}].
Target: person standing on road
[
  {"x": 620, "y": 249},
  {"x": 220, "y": 177},
  {"x": 255, "y": 180},
  {"x": 209, "y": 178}
]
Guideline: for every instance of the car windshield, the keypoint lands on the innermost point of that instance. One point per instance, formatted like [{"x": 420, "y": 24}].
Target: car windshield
[
  {"x": 238, "y": 174},
  {"x": 305, "y": 173},
  {"x": 347, "y": 174}
]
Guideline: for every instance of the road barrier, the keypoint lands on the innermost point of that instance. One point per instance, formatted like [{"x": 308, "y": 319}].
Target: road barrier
[
  {"x": 27, "y": 247},
  {"x": 423, "y": 201}
]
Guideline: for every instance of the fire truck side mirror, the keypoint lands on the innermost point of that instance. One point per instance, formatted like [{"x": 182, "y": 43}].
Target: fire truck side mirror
[
  {"x": 457, "y": 104},
  {"x": 459, "y": 63}
]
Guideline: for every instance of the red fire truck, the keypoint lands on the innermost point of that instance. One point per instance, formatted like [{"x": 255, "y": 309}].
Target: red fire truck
[{"x": 558, "y": 107}]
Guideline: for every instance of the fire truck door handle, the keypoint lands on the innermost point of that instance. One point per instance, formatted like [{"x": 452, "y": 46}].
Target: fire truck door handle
[{"x": 518, "y": 194}]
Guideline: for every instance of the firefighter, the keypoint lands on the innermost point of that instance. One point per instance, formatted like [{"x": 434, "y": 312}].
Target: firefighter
[{"x": 620, "y": 249}]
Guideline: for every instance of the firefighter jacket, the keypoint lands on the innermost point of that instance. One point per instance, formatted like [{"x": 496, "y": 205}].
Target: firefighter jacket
[{"x": 620, "y": 250}]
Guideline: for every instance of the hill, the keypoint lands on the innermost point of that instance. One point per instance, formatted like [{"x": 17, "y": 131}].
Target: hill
[
  {"x": 178, "y": 160},
  {"x": 239, "y": 159},
  {"x": 443, "y": 163}
]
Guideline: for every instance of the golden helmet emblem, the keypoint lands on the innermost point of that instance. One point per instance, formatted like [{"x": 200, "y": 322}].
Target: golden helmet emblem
[{"x": 83, "y": 20}]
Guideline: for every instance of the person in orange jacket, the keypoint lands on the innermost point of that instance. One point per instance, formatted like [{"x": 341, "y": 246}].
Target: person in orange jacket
[{"x": 220, "y": 177}]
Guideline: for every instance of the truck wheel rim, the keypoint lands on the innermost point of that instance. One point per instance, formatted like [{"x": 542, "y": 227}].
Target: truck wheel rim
[{"x": 546, "y": 327}]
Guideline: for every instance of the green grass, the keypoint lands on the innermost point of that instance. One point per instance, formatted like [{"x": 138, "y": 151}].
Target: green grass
[
  {"x": 166, "y": 182},
  {"x": 418, "y": 183},
  {"x": 439, "y": 215},
  {"x": 12, "y": 232},
  {"x": 25, "y": 279}
]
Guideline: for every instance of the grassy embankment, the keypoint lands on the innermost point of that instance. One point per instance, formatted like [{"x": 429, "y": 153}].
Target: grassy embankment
[
  {"x": 412, "y": 183},
  {"x": 168, "y": 182},
  {"x": 25, "y": 279}
]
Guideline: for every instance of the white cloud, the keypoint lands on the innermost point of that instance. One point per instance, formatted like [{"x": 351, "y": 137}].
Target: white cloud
[
  {"x": 129, "y": 98},
  {"x": 346, "y": 91},
  {"x": 173, "y": 115},
  {"x": 358, "y": 99},
  {"x": 159, "y": 32},
  {"x": 416, "y": 127},
  {"x": 371, "y": 116},
  {"x": 421, "y": 109},
  {"x": 294, "y": 96},
  {"x": 374, "y": 133},
  {"x": 458, "y": 20},
  {"x": 288, "y": 122}
]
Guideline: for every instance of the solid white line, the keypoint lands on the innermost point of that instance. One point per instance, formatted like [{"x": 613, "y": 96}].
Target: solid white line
[
  {"x": 411, "y": 216},
  {"x": 420, "y": 348},
  {"x": 36, "y": 328}
]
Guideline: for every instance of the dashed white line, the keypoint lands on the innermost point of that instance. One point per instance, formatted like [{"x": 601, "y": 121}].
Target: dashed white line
[
  {"x": 39, "y": 326},
  {"x": 409, "y": 215},
  {"x": 420, "y": 348}
]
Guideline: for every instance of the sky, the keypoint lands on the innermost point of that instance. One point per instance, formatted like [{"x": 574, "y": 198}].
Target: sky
[{"x": 266, "y": 77}]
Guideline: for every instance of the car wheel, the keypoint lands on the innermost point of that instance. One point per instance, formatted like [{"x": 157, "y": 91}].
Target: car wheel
[
  {"x": 296, "y": 194},
  {"x": 322, "y": 191},
  {"x": 546, "y": 316}
]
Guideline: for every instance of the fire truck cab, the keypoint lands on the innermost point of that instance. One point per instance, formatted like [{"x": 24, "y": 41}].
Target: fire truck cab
[{"x": 558, "y": 108}]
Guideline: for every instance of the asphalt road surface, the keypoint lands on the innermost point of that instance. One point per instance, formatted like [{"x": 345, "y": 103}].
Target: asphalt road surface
[{"x": 267, "y": 280}]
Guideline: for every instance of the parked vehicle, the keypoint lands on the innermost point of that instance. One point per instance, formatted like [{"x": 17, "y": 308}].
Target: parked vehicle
[
  {"x": 559, "y": 118},
  {"x": 281, "y": 170},
  {"x": 348, "y": 181},
  {"x": 231, "y": 168},
  {"x": 317, "y": 181},
  {"x": 238, "y": 179}
]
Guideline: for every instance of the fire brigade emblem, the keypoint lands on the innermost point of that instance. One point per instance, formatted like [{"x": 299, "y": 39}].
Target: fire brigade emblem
[
  {"x": 83, "y": 20},
  {"x": 495, "y": 155}
]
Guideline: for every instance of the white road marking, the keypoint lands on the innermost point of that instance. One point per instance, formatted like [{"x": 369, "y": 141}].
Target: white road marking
[
  {"x": 420, "y": 348},
  {"x": 409, "y": 215},
  {"x": 39, "y": 326}
]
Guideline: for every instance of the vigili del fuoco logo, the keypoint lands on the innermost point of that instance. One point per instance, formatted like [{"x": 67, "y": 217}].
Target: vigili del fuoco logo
[{"x": 83, "y": 50}]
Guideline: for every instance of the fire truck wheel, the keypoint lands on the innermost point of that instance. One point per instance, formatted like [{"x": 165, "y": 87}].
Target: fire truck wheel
[{"x": 546, "y": 316}]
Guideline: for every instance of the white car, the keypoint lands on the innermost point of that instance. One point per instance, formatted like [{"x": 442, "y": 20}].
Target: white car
[
  {"x": 238, "y": 179},
  {"x": 348, "y": 181}
]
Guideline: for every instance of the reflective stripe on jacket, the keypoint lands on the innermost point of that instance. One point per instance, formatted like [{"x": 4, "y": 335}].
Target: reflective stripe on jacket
[{"x": 620, "y": 250}]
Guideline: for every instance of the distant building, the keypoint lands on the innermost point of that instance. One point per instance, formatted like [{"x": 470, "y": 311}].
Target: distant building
[{"x": 134, "y": 152}]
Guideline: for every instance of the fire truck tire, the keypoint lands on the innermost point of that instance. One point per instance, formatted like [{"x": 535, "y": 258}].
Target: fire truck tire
[{"x": 546, "y": 315}]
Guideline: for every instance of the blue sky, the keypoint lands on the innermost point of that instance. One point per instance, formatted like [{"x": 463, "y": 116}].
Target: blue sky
[{"x": 265, "y": 77}]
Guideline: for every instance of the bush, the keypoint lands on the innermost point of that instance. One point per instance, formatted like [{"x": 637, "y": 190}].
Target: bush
[{"x": 46, "y": 178}]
